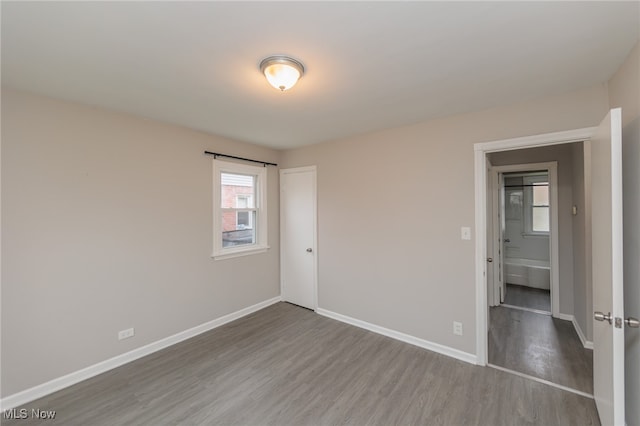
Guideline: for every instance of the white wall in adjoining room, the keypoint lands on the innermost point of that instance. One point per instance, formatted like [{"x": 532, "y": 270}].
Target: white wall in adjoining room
[
  {"x": 582, "y": 291},
  {"x": 390, "y": 208},
  {"x": 107, "y": 225}
]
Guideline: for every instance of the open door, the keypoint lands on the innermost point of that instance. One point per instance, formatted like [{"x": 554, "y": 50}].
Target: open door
[
  {"x": 608, "y": 302},
  {"x": 495, "y": 225}
]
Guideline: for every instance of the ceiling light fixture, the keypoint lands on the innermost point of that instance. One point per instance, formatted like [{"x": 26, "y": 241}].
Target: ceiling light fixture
[{"x": 282, "y": 72}]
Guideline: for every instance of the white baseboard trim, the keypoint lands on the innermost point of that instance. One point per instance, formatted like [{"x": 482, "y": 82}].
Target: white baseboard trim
[
  {"x": 565, "y": 317},
  {"x": 521, "y": 308},
  {"x": 435, "y": 347},
  {"x": 44, "y": 389},
  {"x": 586, "y": 343}
]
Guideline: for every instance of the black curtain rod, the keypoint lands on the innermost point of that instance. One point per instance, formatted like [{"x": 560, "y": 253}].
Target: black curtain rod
[
  {"x": 217, "y": 154},
  {"x": 522, "y": 186}
]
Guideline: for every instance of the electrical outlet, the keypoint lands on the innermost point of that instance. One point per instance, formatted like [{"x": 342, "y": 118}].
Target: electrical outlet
[
  {"x": 457, "y": 328},
  {"x": 125, "y": 334}
]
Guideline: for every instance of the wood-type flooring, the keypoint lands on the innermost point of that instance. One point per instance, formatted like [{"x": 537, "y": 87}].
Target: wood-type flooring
[{"x": 286, "y": 365}]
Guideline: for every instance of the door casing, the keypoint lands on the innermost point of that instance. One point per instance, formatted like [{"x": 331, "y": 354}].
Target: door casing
[{"x": 480, "y": 170}]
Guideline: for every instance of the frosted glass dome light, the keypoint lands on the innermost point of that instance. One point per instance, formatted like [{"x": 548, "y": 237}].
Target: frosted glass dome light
[{"x": 282, "y": 72}]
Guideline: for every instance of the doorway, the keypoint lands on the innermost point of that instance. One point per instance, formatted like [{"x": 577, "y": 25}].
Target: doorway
[
  {"x": 603, "y": 228},
  {"x": 298, "y": 236},
  {"x": 532, "y": 339},
  {"x": 523, "y": 335},
  {"x": 522, "y": 209},
  {"x": 526, "y": 240}
]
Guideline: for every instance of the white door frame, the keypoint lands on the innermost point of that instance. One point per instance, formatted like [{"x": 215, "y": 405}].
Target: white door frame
[
  {"x": 314, "y": 246},
  {"x": 554, "y": 258},
  {"x": 492, "y": 250},
  {"x": 480, "y": 170}
]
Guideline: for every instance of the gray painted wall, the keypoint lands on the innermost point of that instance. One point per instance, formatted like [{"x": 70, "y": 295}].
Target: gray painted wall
[
  {"x": 106, "y": 225},
  {"x": 582, "y": 291},
  {"x": 390, "y": 208}
]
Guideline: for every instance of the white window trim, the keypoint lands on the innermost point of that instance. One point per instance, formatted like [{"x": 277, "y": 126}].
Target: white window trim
[
  {"x": 527, "y": 210},
  {"x": 261, "y": 245}
]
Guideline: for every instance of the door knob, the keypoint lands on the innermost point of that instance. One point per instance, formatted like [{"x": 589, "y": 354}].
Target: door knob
[
  {"x": 309, "y": 250},
  {"x": 489, "y": 259},
  {"x": 599, "y": 316},
  {"x": 507, "y": 240},
  {"x": 632, "y": 322}
]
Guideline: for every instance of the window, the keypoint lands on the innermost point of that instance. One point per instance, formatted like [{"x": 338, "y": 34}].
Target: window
[
  {"x": 537, "y": 202},
  {"x": 244, "y": 218},
  {"x": 239, "y": 209}
]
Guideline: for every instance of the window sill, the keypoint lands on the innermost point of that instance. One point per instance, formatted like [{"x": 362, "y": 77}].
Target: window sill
[{"x": 240, "y": 253}]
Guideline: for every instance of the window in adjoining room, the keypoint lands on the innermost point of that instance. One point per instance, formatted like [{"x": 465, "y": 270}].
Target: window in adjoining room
[{"x": 537, "y": 204}]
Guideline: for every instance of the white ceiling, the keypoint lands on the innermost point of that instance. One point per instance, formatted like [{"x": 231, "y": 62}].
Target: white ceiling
[{"x": 370, "y": 65}]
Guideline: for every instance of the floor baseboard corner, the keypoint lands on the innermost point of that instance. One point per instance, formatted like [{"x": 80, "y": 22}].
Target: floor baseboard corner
[
  {"x": 565, "y": 317},
  {"x": 587, "y": 344},
  {"x": 425, "y": 344}
]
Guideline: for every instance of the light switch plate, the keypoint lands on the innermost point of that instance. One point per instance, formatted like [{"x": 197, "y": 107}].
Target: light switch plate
[{"x": 465, "y": 233}]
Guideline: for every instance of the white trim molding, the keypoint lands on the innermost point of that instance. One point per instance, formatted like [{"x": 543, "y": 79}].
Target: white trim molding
[
  {"x": 564, "y": 317},
  {"x": 588, "y": 344},
  {"x": 480, "y": 172},
  {"x": 557, "y": 138},
  {"x": 44, "y": 389},
  {"x": 425, "y": 344}
]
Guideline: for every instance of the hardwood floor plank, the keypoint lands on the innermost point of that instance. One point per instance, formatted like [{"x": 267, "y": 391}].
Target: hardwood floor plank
[
  {"x": 528, "y": 297},
  {"x": 286, "y": 365},
  {"x": 539, "y": 346}
]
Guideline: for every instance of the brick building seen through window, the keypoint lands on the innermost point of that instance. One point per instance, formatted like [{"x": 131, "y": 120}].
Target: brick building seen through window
[{"x": 238, "y": 202}]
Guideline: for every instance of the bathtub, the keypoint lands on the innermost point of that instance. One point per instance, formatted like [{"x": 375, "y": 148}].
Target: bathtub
[{"x": 527, "y": 272}]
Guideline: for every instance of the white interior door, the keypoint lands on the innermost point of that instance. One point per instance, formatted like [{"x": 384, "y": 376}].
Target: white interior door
[
  {"x": 607, "y": 266},
  {"x": 298, "y": 236},
  {"x": 494, "y": 237}
]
